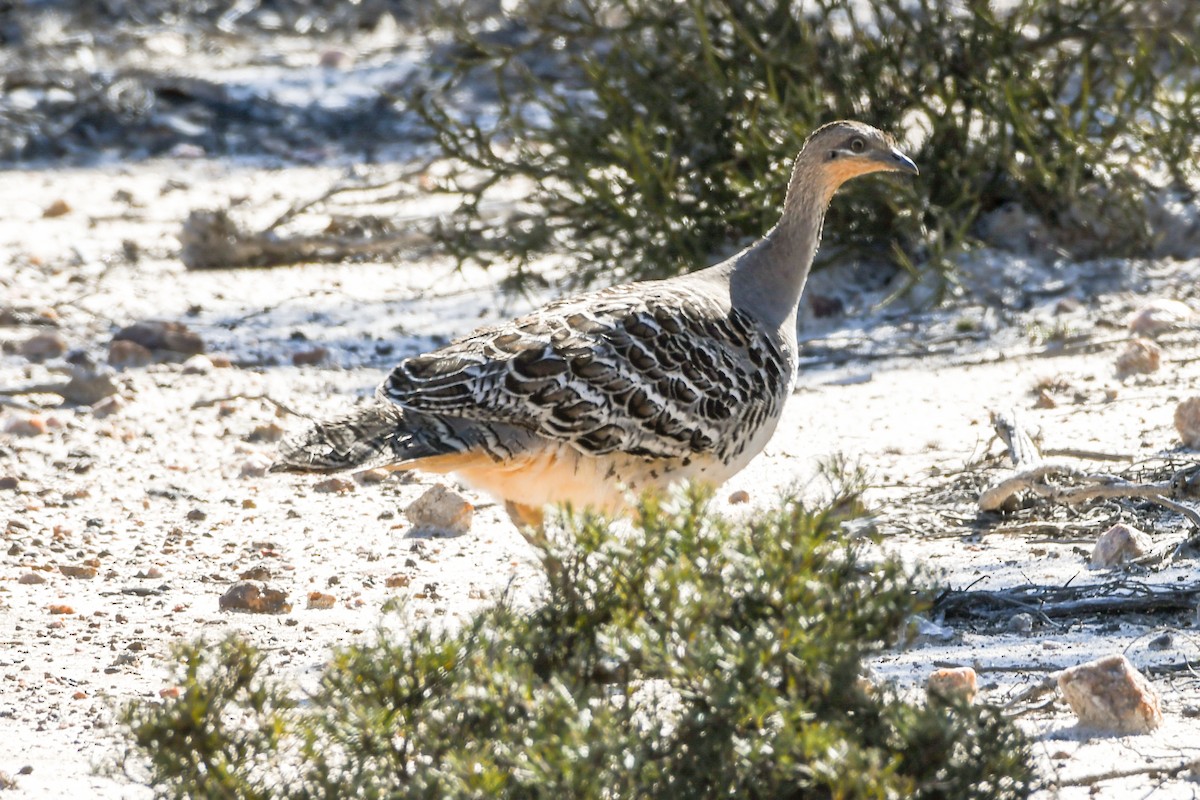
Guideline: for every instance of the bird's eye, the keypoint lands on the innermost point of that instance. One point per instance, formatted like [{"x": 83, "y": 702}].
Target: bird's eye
[{"x": 857, "y": 145}]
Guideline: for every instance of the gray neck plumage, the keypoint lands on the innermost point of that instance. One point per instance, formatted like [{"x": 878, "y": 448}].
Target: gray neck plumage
[{"x": 769, "y": 276}]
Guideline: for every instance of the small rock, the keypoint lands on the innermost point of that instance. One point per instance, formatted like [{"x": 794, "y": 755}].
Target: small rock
[
  {"x": 259, "y": 573},
  {"x": 739, "y": 497},
  {"x": 43, "y": 346},
  {"x": 1119, "y": 544},
  {"x": 1109, "y": 694},
  {"x": 1164, "y": 641},
  {"x": 58, "y": 208},
  {"x": 198, "y": 364},
  {"x": 255, "y": 598},
  {"x": 160, "y": 335},
  {"x": 1160, "y": 316},
  {"x": 926, "y": 631},
  {"x": 77, "y": 571},
  {"x": 320, "y": 600},
  {"x": 397, "y": 581},
  {"x": 1138, "y": 357},
  {"x": 10, "y": 483},
  {"x": 441, "y": 509},
  {"x": 377, "y": 475},
  {"x": 308, "y": 358},
  {"x": 31, "y": 425},
  {"x": 124, "y": 353},
  {"x": 58, "y": 608},
  {"x": 221, "y": 361},
  {"x": 256, "y": 465},
  {"x": 108, "y": 406},
  {"x": 335, "y": 58},
  {"x": 1187, "y": 422},
  {"x": 169, "y": 693},
  {"x": 31, "y": 578},
  {"x": 197, "y": 515},
  {"x": 1020, "y": 623},
  {"x": 334, "y": 486},
  {"x": 89, "y": 384},
  {"x": 952, "y": 684},
  {"x": 271, "y": 432}
]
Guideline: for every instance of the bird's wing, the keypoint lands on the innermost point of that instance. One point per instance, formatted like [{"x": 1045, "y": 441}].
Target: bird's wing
[{"x": 658, "y": 372}]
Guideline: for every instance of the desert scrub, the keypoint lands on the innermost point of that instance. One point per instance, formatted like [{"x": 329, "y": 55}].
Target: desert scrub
[
  {"x": 655, "y": 135},
  {"x": 690, "y": 657}
]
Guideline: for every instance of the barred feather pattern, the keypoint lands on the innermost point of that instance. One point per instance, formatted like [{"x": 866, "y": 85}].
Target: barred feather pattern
[{"x": 654, "y": 370}]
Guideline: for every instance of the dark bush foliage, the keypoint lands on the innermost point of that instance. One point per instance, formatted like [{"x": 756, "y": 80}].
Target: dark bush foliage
[
  {"x": 690, "y": 658},
  {"x": 656, "y": 134}
]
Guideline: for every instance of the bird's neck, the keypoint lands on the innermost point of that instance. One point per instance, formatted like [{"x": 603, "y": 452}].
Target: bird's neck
[{"x": 770, "y": 275}]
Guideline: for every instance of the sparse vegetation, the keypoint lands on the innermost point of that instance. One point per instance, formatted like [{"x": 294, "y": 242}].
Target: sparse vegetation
[
  {"x": 691, "y": 658},
  {"x": 656, "y": 134}
]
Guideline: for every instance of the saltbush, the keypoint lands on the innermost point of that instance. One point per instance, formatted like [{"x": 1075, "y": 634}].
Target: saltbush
[
  {"x": 691, "y": 657},
  {"x": 652, "y": 136}
]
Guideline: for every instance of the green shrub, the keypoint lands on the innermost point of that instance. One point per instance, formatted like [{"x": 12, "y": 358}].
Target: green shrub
[
  {"x": 690, "y": 658},
  {"x": 656, "y": 134}
]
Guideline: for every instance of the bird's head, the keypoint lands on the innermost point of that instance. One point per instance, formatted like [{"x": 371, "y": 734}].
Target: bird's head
[{"x": 839, "y": 151}]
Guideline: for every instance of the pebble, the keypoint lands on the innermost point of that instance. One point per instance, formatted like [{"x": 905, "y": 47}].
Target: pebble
[
  {"x": 271, "y": 432},
  {"x": 1119, "y": 544},
  {"x": 124, "y": 353},
  {"x": 259, "y": 573},
  {"x": 9, "y": 483},
  {"x": 108, "y": 406},
  {"x": 1109, "y": 694},
  {"x": 1138, "y": 357},
  {"x": 1160, "y": 316},
  {"x": 255, "y": 598},
  {"x": 441, "y": 509},
  {"x": 1020, "y": 623},
  {"x": 320, "y": 600},
  {"x": 952, "y": 683},
  {"x": 31, "y": 578},
  {"x": 256, "y": 465},
  {"x": 58, "y": 208},
  {"x": 89, "y": 384},
  {"x": 334, "y": 486},
  {"x": 396, "y": 581},
  {"x": 31, "y": 425},
  {"x": 43, "y": 346},
  {"x": 739, "y": 497},
  {"x": 377, "y": 475},
  {"x": 77, "y": 570},
  {"x": 1187, "y": 422},
  {"x": 308, "y": 358},
  {"x": 1164, "y": 641},
  {"x": 198, "y": 364},
  {"x": 162, "y": 335},
  {"x": 59, "y": 608}
]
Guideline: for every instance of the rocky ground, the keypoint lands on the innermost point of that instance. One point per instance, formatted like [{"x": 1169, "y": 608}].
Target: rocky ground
[{"x": 135, "y": 497}]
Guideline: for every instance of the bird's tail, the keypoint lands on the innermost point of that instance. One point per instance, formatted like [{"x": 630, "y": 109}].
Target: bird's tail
[{"x": 373, "y": 436}]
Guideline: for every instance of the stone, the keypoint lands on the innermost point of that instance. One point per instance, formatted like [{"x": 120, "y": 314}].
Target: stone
[
  {"x": 441, "y": 509},
  {"x": 308, "y": 358},
  {"x": 334, "y": 486},
  {"x": 739, "y": 497},
  {"x": 1119, "y": 544},
  {"x": 1187, "y": 422},
  {"x": 256, "y": 465},
  {"x": 1109, "y": 694},
  {"x": 77, "y": 571},
  {"x": 124, "y": 353},
  {"x": 31, "y": 425},
  {"x": 1138, "y": 357},
  {"x": 952, "y": 683},
  {"x": 43, "y": 346},
  {"x": 162, "y": 335},
  {"x": 320, "y": 600},
  {"x": 58, "y": 208},
  {"x": 1160, "y": 316},
  {"x": 255, "y": 598}
]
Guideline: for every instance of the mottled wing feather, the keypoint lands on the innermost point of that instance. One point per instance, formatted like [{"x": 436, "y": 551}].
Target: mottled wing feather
[{"x": 648, "y": 371}]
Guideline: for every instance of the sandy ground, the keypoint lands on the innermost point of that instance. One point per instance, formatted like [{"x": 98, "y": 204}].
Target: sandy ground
[{"x": 162, "y": 493}]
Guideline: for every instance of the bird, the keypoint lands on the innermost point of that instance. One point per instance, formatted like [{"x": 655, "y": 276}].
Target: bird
[{"x": 596, "y": 398}]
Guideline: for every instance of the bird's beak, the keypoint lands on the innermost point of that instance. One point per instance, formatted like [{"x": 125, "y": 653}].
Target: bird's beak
[{"x": 896, "y": 161}]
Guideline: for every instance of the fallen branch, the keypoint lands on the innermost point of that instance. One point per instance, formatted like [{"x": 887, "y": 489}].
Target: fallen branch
[
  {"x": 1058, "y": 602},
  {"x": 1113, "y": 774}
]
